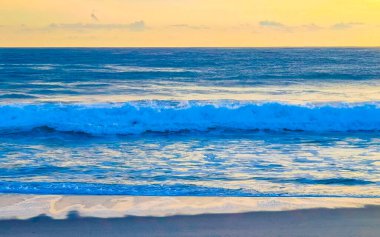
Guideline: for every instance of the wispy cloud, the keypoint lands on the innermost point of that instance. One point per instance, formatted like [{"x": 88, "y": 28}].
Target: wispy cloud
[
  {"x": 345, "y": 25},
  {"x": 311, "y": 27},
  {"x": 137, "y": 26},
  {"x": 307, "y": 27},
  {"x": 134, "y": 26},
  {"x": 271, "y": 24},
  {"x": 186, "y": 26},
  {"x": 274, "y": 25}
]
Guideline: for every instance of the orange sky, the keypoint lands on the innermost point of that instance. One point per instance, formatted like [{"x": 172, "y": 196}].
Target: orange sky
[{"x": 154, "y": 23}]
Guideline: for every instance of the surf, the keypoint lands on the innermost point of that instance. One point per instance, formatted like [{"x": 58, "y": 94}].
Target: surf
[{"x": 137, "y": 117}]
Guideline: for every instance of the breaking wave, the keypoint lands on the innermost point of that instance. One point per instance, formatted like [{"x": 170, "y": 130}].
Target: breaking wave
[{"x": 174, "y": 116}]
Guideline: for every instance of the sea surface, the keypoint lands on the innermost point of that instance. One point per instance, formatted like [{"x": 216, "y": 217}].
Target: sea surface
[{"x": 190, "y": 121}]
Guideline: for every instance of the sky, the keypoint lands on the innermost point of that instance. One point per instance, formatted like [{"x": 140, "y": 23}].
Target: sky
[{"x": 189, "y": 23}]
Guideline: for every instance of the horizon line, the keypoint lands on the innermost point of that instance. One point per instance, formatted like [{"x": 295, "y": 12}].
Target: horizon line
[{"x": 216, "y": 47}]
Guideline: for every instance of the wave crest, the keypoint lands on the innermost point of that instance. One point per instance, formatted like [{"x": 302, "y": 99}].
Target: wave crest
[{"x": 171, "y": 116}]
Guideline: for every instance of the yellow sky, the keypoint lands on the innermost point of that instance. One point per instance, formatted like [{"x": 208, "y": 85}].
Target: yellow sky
[{"x": 190, "y": 23}]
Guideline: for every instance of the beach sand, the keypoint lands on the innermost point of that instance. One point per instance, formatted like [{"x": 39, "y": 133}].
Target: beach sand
[{"x": 54, "y": 215}]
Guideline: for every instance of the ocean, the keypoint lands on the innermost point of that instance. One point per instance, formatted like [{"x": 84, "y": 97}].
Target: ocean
[{"x": 298, "y": 122}]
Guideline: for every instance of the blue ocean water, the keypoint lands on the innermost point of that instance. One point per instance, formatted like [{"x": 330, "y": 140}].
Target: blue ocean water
[{"x": 190, "y": 121}]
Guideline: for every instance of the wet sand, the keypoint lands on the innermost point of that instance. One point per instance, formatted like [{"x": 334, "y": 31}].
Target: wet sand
[
  {"x": 82, "y": 216},
  {"x": 311, "y": 222}
]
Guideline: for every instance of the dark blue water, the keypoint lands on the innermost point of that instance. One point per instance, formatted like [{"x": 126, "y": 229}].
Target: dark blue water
[{"x": 203, "y": 122}]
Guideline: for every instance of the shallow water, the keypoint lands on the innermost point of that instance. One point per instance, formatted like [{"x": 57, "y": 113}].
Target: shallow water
[{"x": 204, "y": 122}]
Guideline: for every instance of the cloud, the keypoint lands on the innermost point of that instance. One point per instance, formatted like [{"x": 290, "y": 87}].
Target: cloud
[
  {"x": 134, "y": 26},
  {"x": 271, "y": 24},
  {"x": 201, "y": 27},
  {"x": 345, "y": 26},
  {"x": 311, "y": 27},
  {"x": 137, "y": 26},
  {"x": 307, "y": 27},
  {"x": 274, "y": 25}
]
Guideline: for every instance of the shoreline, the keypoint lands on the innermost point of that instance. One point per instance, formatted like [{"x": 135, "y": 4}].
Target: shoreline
[
  {"x": 27, "y": 206},
  {"x": 342, "y": 222},
  {"x": 96, "y": 216}
]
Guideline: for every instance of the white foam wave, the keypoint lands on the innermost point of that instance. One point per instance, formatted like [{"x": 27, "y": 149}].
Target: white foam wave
[
  {"x": 160, "y": 116},
  {"x": 121, "y": 68}
]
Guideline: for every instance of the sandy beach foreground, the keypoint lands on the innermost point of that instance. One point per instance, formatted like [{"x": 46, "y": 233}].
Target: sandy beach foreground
[
  {"x": 54, "y": 215},
  {"x": 312, "y": 222}
]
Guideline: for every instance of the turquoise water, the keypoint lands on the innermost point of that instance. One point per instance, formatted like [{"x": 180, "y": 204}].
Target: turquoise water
[{"x": 202, "y": 122}]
